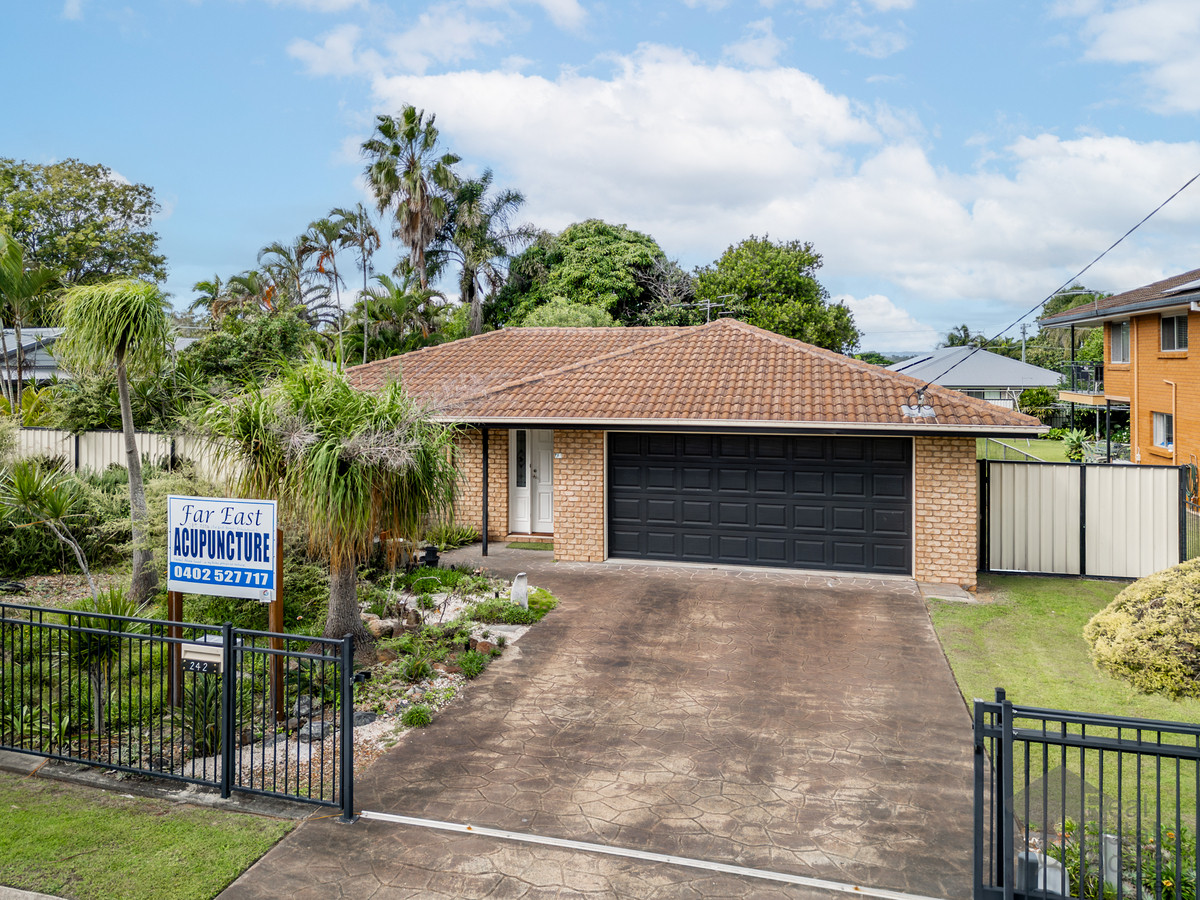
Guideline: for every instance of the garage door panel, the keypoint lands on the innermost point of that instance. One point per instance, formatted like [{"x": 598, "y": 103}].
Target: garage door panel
[
  {"x": 840, "y": 503},
  {"x": 697, "y": 512},
  {"x": 850, "y": 519}
]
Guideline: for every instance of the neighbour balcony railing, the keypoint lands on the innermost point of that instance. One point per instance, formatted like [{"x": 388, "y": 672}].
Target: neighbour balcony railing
[{"x": 1083, "y": 377}]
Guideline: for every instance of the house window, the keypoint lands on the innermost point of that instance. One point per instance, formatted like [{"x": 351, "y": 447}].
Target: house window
[
  {"x": 1174, "y": 332},
  {"x": 1164, "y": 430},
  {"x": 1118, "y": 337}
]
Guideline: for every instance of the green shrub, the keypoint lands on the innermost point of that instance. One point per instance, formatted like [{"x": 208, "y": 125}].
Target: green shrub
[
  {"x": 1150, "y": 634},
  {"x": 1073, "y": 442},
  {"x": 417, "y": 716},
  {"x": 416, "y": 668},
  {"x": 500, "y": 611},
  {"x": 541, "y": 601},
  {"x": 472, "y": 663},
  {"x": 448, "y": 535}
]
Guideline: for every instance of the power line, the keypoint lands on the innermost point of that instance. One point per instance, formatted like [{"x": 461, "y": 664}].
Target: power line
[{"x": 1069, "y": 281}]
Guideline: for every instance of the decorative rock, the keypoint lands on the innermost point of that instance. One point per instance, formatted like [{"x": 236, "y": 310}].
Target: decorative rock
[
  {"x": 484, "y": 646},
  {"x": 304, "y": 707},
  {"x": 246, "y": 736},
  {"x": 370, "y": 617},
  {"x": 386, "y": 655},
  {"x": 520, "y": 591},
  {"x": 412, "y": 619},
  {"x": 313, "y": 731},
  {"x": 293, "y": 723},
  {"x": 381, "y": 628},
  {"x": 363, "y": 717}
]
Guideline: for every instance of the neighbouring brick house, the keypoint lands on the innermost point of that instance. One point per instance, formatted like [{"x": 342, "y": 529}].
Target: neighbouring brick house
[
  {"x": 1147, "y": 366},
  {"x": 719, "y": 443}
]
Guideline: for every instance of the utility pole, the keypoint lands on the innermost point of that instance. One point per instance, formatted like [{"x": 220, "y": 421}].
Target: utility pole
[{"x": 1024, "y": 325}]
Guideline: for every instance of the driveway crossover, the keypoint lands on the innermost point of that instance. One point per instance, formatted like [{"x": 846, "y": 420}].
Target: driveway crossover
[{"x": 773, "y": 720}]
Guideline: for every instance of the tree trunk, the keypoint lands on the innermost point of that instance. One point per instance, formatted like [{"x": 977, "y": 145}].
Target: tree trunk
[
  {"x": 145, "y": 575},
  {"x": 344, "y": 615},
  {"x": 20, "y": 364},
  {"x": 8, "y": 392}
]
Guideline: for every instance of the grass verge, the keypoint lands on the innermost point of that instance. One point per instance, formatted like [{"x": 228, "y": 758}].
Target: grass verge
[
  {"x": 1047, "y": 451},
  {"x": 79, "y": 842},
  {"x": 1027, "y": 637},
  {"x": 530, "y": 545}
]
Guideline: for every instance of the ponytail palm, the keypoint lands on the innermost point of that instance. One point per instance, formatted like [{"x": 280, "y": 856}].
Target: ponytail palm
[
  {"x": 121, "y": 323},
  {"x": 345, "y": 465}
]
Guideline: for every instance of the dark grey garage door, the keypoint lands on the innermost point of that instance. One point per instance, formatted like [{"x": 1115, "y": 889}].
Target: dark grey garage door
[{"x": 842, "y": 503}]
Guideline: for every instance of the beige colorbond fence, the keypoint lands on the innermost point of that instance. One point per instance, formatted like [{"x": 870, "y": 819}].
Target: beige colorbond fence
[
  {"x": 1072, "y": 519},
  {"x": 95, "y": 451}
]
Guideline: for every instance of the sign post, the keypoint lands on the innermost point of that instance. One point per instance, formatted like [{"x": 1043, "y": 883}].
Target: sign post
[{"x": 226, "y": 548}]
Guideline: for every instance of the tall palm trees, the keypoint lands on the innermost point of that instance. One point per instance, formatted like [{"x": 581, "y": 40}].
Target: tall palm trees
[
  {"x": 322, "y": 240},
  {"x": 397, "y": 316},
  {"x": 22, "y": 287},
  {"x": 122, "y": 322},
  {"x": 359, "y": 231},
  {"x": 479, "y": 237},
  {"x": 411, "y": 179}
]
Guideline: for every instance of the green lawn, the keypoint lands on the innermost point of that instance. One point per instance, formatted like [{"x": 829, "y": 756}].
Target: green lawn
[
  {"x": 1027, "y": 637},
  {"x": 84, "y": 843},
  {"x": 1047, "y": 451}
]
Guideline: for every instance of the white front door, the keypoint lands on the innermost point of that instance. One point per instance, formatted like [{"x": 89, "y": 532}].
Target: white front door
[{"x": 531, "y": 481}]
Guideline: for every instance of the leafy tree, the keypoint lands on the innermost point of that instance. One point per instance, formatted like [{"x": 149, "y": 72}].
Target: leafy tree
[
  {"x": 124, "y": 323},
  {"x": 346, "y": 465},
  {"x": 1037, "y": 401},
  {"x": 411, "y": 180},
  {"x": 81, "y": 220},
  {"x": 322, "y": 240},
  {"x": 251, "y": 347},
  {"x": 285, "y": 282},
  {"x": 478, "y": 236},
  {"x": 23, "y": 288},
  {"x": 876, "y": 359},
  {"x": 591, "y": 263},
  {"x": 562, "y": 313},
  {"x": 773, "y": 286}
]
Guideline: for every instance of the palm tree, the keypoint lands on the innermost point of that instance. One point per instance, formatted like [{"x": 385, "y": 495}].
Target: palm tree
[
  {"x": 22, "y": 288},
  {"x": 252, "y": 287},
  {"x": 410, "y": 178},
  {"x": 477, "y": 235},
  {"x": 403, "y": 317},
  {"x": 212, "y": 298},
  {"x": 284, "y": 265},
  {"x": 348, "y": 465},
  {"x": 322, "y": 240},
  {"x": 122, "y": 322},
  {"x": 360, "y": 232}
]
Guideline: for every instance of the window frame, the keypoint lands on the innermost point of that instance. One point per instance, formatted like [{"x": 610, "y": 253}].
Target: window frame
[
  {"x": 1118, "y": 339},
  {"x": 1175, "y": 332},
  {"x": 1163, "y": 429}
]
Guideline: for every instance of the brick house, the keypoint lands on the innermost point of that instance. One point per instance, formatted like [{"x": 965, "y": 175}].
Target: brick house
[
  {"x": 1147, "y": 366},
  {"x": 720, "y": 443}
]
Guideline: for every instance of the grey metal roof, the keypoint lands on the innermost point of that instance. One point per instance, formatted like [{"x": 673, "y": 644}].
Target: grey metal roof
[{"x": 974, "y": 369}]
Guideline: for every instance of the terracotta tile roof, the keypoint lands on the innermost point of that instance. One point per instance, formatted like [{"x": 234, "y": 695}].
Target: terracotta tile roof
[
  {"x": 1175, "y": 291},
  {"x": 726, "y": 371}
]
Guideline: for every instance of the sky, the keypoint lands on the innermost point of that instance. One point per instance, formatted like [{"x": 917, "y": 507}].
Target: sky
[{"x": 953, "y": 161}]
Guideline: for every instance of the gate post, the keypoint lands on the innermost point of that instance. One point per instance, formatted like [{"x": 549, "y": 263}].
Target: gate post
[
  {"x": 346, "y": 767},
  {"x": 1006, "y": 853},
  {"x": 228, "y": 694}
]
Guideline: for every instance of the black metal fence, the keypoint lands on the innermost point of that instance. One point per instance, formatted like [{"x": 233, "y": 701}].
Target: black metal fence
[
  {"x": 1074, "y": 805},
  {"x": 239, "y": 710}
]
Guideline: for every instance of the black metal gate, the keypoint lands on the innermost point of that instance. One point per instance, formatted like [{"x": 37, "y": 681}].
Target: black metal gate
[
  {"x": 1075, "y": 805},
  {"x": 182, "y": 701}
]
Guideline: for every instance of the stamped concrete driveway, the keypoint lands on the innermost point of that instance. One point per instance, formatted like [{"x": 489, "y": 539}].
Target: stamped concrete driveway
[{"x": 779, "y": 721}]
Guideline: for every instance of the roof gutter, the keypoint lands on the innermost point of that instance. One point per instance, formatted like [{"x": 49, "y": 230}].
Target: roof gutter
[
  {"x": 1119, "y": 312},
  {"x": 739, "y": 425}
]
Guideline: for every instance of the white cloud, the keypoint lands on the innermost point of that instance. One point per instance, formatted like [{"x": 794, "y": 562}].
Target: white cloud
[
  {"x": 335, "y": 55},
  {"x": 758, "y": 47},
  {"x": 885, "y": 326},
  {"x": 850, "y": 25},
  {"x": 701, "y": 156},
  {"x": 1159, "y": 36},
  {"x": 566, "y": 14},
  {"x": 72, "y": 9}
]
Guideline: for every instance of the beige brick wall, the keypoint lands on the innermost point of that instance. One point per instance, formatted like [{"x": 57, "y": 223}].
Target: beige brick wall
[
  {"x": 945, "y": 501},
  {"x": 579, "y": 496},
  {"x": 468, "y": 454}
]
